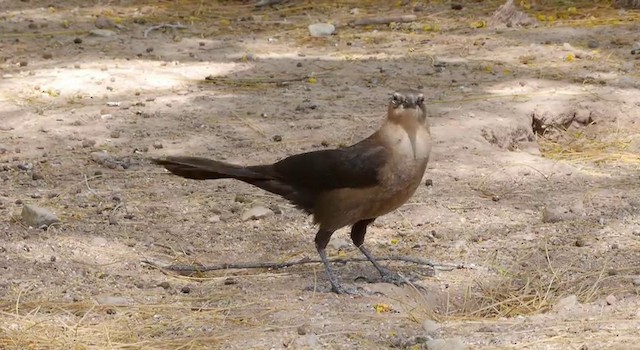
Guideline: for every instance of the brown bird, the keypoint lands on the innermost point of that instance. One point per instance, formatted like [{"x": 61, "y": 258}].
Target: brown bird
[{"x": 349, "y": 186}]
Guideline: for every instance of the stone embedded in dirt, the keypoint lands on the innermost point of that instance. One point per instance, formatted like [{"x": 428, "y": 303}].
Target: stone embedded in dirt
[
  {"x": 77, "y": 41},
  {"x": 338, "y": 243},
  {"x": 185, "y": 289},
  {"x": 240, "y": 198},
  {"x": 112, "y": 300},
  {"x": 430, "y": 326},
  {"x": 35, "y": 176},
  {"x": 157, "y": 145},
  {"x": 305, "y": 106},
  {"x": 38, "y": 217},
  {"x": 566, "y": 303},
  {"x": 636, "y": 281},
  {"x": 554, "y": 213},
  {"x": 230, "y": 281},
  {"x": 304, "y": 329},
  {"x": 257, "y": 212},
  {"x": 447, "y": 344},
  {"x": 99, "y": 241},
  {"x": 100, "y": 157},
  {"x": 611, "y": 299},
  {"x": 105, "y": 33},
  {"x": 104, "y": 22},
  {"x": 321, "y": 29},
  {"x": 47, "y": 55},
  {"x": 115, "y": 134},
  {"x": 86, "y": 143},
  {"x": 593, "y": 44},
  {"x": 164, "y": 285}
]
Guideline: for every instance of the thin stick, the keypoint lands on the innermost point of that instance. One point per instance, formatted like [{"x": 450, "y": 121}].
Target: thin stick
[
  {"x": 161, "y": 26},
  {"x": 383, "y": 20},
  {"x": 276, "y": 265}
]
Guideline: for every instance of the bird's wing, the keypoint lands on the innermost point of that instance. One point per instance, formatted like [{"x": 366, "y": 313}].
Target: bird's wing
[{"x": 352, "y": 167}]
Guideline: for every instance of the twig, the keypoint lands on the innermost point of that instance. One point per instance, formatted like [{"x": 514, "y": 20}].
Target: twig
[
  {"x": 249, "y": 124},
  {"x": 86, "y": 182},
  {"x": 383, "y": 20},
  {"x": 164, "y": 25},
  {"x": 275, "y": 265},
  {"x": 262, "y": 3}
]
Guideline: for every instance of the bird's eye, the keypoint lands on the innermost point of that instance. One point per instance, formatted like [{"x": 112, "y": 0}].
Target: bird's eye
[
  {"x": 395, "y": 98},
  {"x": 420, "y": 100}
]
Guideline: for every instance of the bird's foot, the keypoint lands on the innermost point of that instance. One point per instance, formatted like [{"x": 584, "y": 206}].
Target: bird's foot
[
  {"x": 393, "y": 277},
  {"x": 345, "y": 291}
]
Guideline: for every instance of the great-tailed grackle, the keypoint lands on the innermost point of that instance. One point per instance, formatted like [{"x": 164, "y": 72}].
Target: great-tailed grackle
[{"x": 340, "y": 187}]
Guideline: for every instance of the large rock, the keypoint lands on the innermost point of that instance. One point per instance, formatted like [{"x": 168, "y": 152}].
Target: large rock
[{"x": 38, "y": 217}]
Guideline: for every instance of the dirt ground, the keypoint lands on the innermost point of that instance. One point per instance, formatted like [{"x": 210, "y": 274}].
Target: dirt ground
[{"x": 543, "y": 230}]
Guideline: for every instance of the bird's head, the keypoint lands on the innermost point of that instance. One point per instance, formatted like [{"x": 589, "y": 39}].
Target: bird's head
[{"x": 407, "y": 107}]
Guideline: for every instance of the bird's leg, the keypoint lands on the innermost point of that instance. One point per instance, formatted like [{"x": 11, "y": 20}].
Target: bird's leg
[
  {"x": 322, "y": 239},
  {"x": 358, "y": 231}
]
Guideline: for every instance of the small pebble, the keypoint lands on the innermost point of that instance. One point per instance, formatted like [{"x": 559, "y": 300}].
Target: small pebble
[
  {"x": 115, "y": 134},
  {"x": 86, "y": 143},
  {"x": 456, "y": 6},
  {"x": 157, "y": 145},
  {"x": 277, "y": 138},
  {"x": 304, "y": 329},
  {"x": 185, "y": 290},
  {"x": 229, "y": 281},
  {"x": 47, "y": 56},
  {"x": 36, "y": 176},
  {"x": 428, "y": 182},
  {"x": 611, "y": 299},
  {"x": 430, "y": 326},
  {"x": 593, "y": 44},
  {"x": 77, "y": 41},
  {"x": 164, "y": 285}
]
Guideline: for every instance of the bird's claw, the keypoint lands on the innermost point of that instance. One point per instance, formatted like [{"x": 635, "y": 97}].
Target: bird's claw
[
  {"x": 394, "y": 278},
  {"x": 344, "y": 291}
]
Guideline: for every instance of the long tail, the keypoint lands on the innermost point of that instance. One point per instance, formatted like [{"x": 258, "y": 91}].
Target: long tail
[
  {"x": 207, "y": 169},
  {"x": 262, "y": 176}
]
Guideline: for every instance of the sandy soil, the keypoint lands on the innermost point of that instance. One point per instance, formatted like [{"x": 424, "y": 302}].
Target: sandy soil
[{"x": 546, "y": 230}]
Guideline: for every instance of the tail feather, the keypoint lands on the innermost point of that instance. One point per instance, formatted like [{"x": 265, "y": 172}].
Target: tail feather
[
  {"x": 207, "y": 169},
  {"x": 261, "y": 176}
]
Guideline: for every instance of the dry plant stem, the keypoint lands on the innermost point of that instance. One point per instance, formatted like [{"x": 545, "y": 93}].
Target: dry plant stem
[
  {"x": 275, "y": 265},
  {"x": 161, "y": 26},
  {"x": 383, "y": 20}
]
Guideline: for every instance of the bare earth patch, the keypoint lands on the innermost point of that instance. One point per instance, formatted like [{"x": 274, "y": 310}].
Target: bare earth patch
[{"x": 534, "y": 189}]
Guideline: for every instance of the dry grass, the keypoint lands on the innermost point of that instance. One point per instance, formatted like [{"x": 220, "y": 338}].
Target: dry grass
[{"x": 591, "y": 145}]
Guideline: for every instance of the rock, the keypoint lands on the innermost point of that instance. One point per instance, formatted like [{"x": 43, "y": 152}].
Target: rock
[
  {"x": 256, "y": 213},
  {"x": 38, "y": 217},
  {"x": 105, "y": 33},
  {"x": 611, "y": 299},
  {"x": 447, "y": 344},
  {"x": 636, "y": 281},
  {"x": 338, "y": 243},
  {"x": 157, "y": 145},
  {"x": 321, "y": 29},
  {"x": 99, "y": 241},
  {"x": 164, "y": 285},
  {"x": 86, "y": 143},
  {"x": 552, "y": 214},
  {"x": 112, "y": 300},
  {"x": 430, "y": 326},
  {"x": 593, "y": 44},
  {"x": 104, "y": 22},
  {"x": 304, "y": 329},
  {"x": 566, "y": 303}
]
